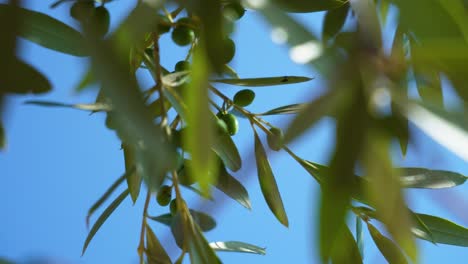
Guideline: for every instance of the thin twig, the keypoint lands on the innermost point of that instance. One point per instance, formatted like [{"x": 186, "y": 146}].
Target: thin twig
[{"x": 141, "y": 245}]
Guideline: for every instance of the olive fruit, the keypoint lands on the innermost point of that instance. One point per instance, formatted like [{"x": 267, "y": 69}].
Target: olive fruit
[
  {"x": 100, "y": 20},
  {"x": 244, "y": 97},
  {"x": 231, "y": 123},
  {"x": 183, "y": 34},
  {"x": 182, "y": 66},
  {"x": 275, "y": 138},
  {"x": 184, "y": 176},
  {"x": 173, "y": 207},
  {"x": 221, "y": 125},
  {"x": 229, "y": 50},
  {"x": 82, "y": 10},
  {"x": 233, "y": 11},
  {"x": 164, "y": 195}
]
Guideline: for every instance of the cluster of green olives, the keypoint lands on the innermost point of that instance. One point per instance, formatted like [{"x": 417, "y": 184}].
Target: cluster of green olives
[
  {"x": 164, "y": 198},
  {"x": 98, "y": 18}
]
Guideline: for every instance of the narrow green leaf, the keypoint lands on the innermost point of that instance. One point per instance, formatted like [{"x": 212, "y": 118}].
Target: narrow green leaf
[
  {"x": 327, "y": 104},
  {"x": 368, "y": 21},
  {"x": 133, "y": 179},
  {"x": 175, "y": 98},
  {"x": 178, "y": 230},
  {"x": 360, "y": 236},
  {"x": 430, "y": 179},
  {"x": 442, "y": 231},
  {"x": 86, "y": 80},
  {"x": 429, "y": 85},
  {"x": 175, "y": 79},
  {"x": 200, "y": 126},
  {"x": 287, "y": 109},
  {"x": 389, "y": 249},
  {"x": 205, "y": 221},
  {"x": 224, "y": 147},
  {"x": 22, "y": 78},
  {"x": 268, "y": 183},
  {"x": 334, "y": 20},
  {"x": 344, "y": 248},
  {"x": 236, "y": 246},
  {"x": 199, "y": 249},
  {"x": 299, "y": 6},
  {"x": 267, "y": 81},
  {"x": 106, "y": 195},
  {"x": 48, "y": 32},
  {"x": 3, "y": 141},
  {"x": 233, "y": 188},
  {"x": 154, "y": 250},
  {"x": 97, "y": 107},
  {"x": 103, "y": 217}
]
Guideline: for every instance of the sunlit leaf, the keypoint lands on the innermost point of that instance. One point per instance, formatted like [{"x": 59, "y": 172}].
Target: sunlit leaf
[
  {"x": 133, "y": 179},
  {"x": 86, "y": 107},
  {"x": 154, "y": 250},
  {"x": 389, "y": 249},
  {"x": 266, "y": 81},
  {"x": 442, "y": 231},
  {"x": 176, "y": 79},
  {"x": 233, "y": 188},
  {"x": 199, "y": 249},
  {"x": 334, "y": 20},
  {"x": 205, "y": 221},
  {"x": 287, "y": 109},
  {"x": 107, "y": 194},
  {"x": 236, "y": 246},
  {"x": 268, "y": 183},
  {"x": 431, "y": 179},
  {"x": 103, "y": 217},
  {"x": 48, "y": 32},
  {"x": 225, "y": 148},
  {"x": 345, "y": 249}
]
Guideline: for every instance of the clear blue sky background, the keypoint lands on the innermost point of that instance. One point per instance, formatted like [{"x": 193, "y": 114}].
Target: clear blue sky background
[{"x": 59, "y": 161}]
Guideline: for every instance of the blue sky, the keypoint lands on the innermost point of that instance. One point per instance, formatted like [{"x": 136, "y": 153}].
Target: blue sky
[{"x": 59, "y": 161}]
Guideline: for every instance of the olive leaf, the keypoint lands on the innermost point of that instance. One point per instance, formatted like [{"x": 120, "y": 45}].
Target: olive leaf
[
  {"x": 266, "y": 81},
  {"x": 441, "y": 231},
  {"x": 3, "y": 141},
  {"x": 233, "y": 188},
  {"x": 205, "y": 221},
  {"x": 154, "y": 250},
  {"x": 287, "y": 109},
  {"x": 96, "y": 107},
  {"x": 22, "y": 78},
  {"x": 237, "y": 246},
  {"x": 431, "y": 179},
  {"x": 389, "y": 249},
  {"x": 334, "y": 20}
]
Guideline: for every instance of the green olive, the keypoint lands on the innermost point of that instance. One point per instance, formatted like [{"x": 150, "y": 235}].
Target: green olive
[
  {"x": 173, "y": 207},
  {"x": 221, "y": 125},
  {"x": 233, "y": 11},
  {"x": 231, "y": 123},
  {"x": 183, "y": 34},
  {"x": 275, "y": 138},
  {"x": 244, "y": 97},
  {"x": 164, "y": 195},
  {"x": 229, "y": 50},
  {"x": 184, "y": 176},
  {"x": 182, "y": 66},
  {"x": 82, "y": 10},
  {"x": 100, "y": 20}
]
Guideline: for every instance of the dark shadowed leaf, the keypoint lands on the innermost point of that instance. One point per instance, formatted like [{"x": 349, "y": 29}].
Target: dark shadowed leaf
[
  {"x": 236, "y": 246},
  {"x": 441, "y": 230},
  {"x": 268, "y": 183},
  {"x": 22, "y": 78},
  {"x": 431, "y": 179},
  {"x": 267, "y": 81},
  {"x": 199, "y": 249},
  {"x": 48, "y": 32},
  {"x": 103, "y": 217},
  {"x": 106, "y": 195},
  {"x": 86, "y": 80},
  {"x": 334, "y": 20},
  {"x": 86, "y": 107},
  {"x": 360, "y": 236},
  {"x": 387, "y": 247},
  {"x": 6, "y": 261},
  {"x": 233, "y": 188},
  {"x": 301, "y": 6},
  {"x": 205, "y": 221},
  {"x": 154, "y": 250},
  {"x": 3, "y": 141},
  {"x": 287, "y": 109},
  {"x": 224, "y": 146}
]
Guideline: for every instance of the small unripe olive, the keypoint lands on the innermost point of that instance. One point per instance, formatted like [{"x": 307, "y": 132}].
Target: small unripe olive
[
  {"x": 229, "y": 50},
  {"x": 164, "y": 195},
  {"x": 275, "y": 138},
  {"x": 82, "y": 10},
  {"x": 182, "y": 66},
  {"x": 244, "y": 97},
  {"x": 183, "y": 35},
  {"x": 221, "y": 125},
  {"x": 100, "y": 20},
  {"x": 231, "y": 123},
  {"x": 233, "y": 11},
  {"x": 173, "y": 207},
  {"x": 184, "y": 176}
]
